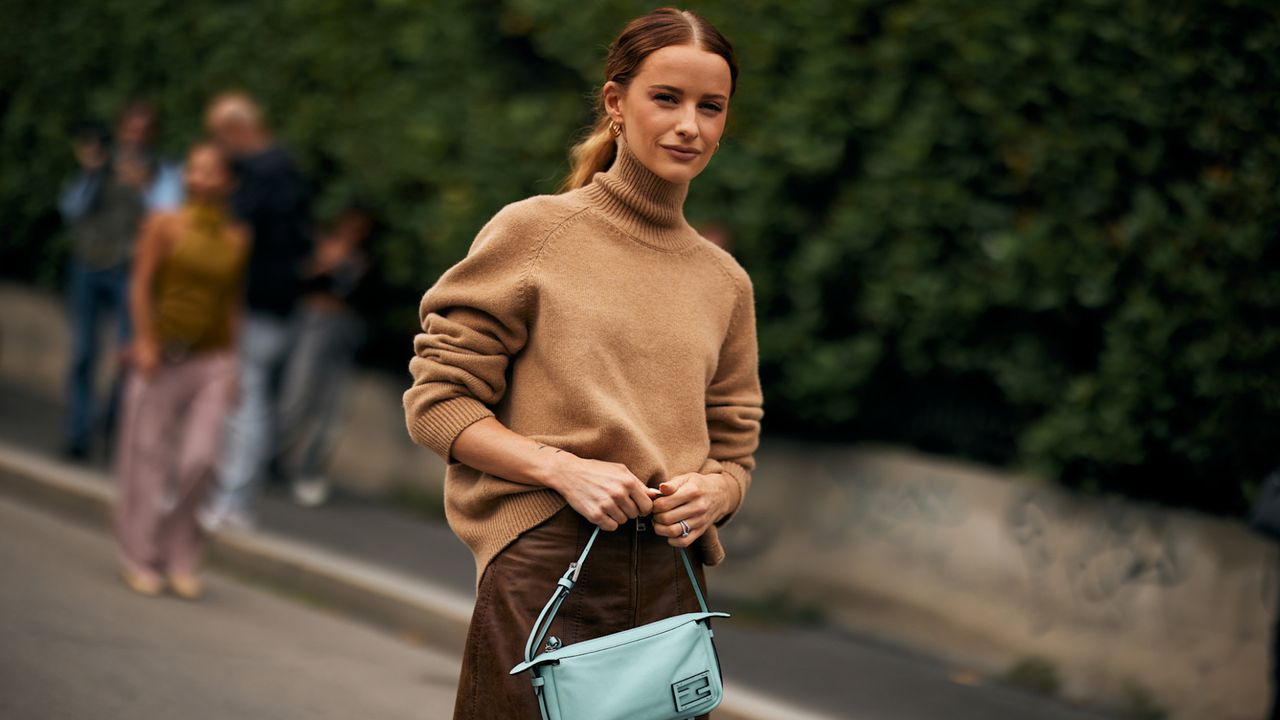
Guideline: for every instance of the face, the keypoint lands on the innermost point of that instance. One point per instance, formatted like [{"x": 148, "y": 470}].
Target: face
[
  {"x": 232, "y": 134},
  {"x": 673, "y": 110},
  {"x": 206, "y": 175},
  {"x": 135, "y": 129},
  {"x": 352, "y": 227}
]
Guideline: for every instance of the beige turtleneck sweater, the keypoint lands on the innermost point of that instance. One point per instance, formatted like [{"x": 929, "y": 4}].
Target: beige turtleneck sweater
[{"x": 597, "y": 321}]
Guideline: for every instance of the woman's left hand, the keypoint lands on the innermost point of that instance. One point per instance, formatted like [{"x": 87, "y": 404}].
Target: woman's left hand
[{"x": 699, "y": 500}]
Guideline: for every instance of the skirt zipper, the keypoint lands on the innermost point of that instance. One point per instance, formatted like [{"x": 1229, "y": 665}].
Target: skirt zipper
[{"x": 635, "y": 571}]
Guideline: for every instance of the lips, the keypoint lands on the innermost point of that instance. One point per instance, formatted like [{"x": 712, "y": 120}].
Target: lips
[{"x": 683, "y": 153}]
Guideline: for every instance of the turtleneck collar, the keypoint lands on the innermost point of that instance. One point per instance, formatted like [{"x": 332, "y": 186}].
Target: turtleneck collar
[
  {"x": 207, "y": 217},
  {"x": 641, "y": 203}
]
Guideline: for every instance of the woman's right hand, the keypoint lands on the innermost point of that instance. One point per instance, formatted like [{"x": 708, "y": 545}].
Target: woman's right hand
[{"x": 605, "y": 493}]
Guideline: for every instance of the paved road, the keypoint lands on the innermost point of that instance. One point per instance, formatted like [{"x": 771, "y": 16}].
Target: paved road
[
  {"x": 841, "y": 675},
  {"x": 74, "y": 643}
]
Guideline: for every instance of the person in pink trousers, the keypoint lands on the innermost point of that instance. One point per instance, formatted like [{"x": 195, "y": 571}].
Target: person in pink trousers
[{"x": 184, "y": 297}]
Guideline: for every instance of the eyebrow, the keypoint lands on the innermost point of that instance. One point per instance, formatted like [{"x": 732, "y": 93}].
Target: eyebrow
[{"x": 679, "y": 91}]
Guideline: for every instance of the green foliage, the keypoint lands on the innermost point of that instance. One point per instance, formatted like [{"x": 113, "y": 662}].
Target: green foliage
[
  {"x": 1029, "y": 232},
  {"x": 1137, "y": 703},
  {"x": 1034, "y": 674}
]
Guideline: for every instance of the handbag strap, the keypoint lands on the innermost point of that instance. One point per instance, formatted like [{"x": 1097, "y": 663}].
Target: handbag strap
[{"x": 566, "y": 583}]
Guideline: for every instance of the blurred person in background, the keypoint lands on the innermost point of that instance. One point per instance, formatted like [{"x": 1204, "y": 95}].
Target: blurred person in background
[
  {"x": 329, "y": 333},
  {"x": 104, "y": 205},
  {"x": 184, "y": 297},
  {"x": 1265, "y": 521},
  {"x": 592, "y": 361},
  {"x": 272, "y": 200}
]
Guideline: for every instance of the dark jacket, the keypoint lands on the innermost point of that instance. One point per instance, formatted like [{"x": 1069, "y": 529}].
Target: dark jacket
[{"x": 273, "y": 200}]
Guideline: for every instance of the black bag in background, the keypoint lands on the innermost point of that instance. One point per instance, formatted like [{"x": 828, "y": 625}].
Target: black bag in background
[{"x": 1265, "y": 519}]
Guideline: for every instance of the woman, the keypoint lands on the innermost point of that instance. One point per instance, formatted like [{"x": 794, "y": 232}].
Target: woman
[
  {"x": 593, "y": 361},
  {"x": 183, "y": 301}
]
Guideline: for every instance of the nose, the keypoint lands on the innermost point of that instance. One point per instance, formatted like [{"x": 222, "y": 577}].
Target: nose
[{"x": 687, "y": 125}]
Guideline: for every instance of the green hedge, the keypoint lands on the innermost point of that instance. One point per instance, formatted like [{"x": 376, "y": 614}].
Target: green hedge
[{"x": 1035, "y": 233}]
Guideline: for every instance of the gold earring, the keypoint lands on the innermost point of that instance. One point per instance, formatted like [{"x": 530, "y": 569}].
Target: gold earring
[
  {"x": 717, "y": 147},
  {"x": 614, "y": 129}
]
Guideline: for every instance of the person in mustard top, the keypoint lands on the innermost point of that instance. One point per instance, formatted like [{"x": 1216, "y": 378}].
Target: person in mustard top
[{"x": 184, "y": 299}]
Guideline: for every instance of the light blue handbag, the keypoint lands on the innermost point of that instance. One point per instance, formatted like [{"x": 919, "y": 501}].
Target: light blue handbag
[{"x": 666, "y": 670}]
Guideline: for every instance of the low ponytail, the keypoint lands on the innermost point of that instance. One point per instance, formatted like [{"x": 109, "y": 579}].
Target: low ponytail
[
  {"x": 661, "y": 28},
  {"x": 593, "y": 154}
]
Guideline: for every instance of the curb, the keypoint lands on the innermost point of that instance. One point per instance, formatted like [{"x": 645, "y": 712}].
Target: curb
[{"x": 408, "y": 607}]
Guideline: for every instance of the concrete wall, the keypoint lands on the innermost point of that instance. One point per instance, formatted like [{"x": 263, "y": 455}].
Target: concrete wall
[
  {"x": 976, "y": 567},
  {"x": 373, "y": 456},
  {"x": 986, "y": 570}
]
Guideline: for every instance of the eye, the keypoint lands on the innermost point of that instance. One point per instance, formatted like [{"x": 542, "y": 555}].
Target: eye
[
  {"x": 666, "y": 98},
  {"x": 711, "y": 107}
]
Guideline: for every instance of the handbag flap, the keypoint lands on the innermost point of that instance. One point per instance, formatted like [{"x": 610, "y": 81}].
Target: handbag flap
[{"x": 618, "y": 638}]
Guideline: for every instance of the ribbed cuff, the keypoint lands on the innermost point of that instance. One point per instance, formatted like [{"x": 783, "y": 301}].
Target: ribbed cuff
[
  {"x": 710, "y": 466},
  {"x": 741, "y": 476},
  {"x": 712, "y": 549},
  {"x": 440, "y": 425}
]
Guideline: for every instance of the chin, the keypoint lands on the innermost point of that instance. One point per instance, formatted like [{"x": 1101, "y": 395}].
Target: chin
[{"x": 672, "y": 172}]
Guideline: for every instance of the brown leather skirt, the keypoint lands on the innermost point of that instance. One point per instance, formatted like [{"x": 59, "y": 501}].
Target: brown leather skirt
[{"x": 631, "y": 577}]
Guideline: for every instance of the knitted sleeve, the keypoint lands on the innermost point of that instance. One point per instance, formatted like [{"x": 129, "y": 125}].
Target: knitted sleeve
[
  {"x": 734, "y": 400},
  {"x": 473, "y": 320}
]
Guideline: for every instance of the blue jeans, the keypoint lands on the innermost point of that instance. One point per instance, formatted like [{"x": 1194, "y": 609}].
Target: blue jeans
[
  {"x": 250, "y": 441},
  {"x": 91, "y": 294},
  {"x": 314, "y": 380}
]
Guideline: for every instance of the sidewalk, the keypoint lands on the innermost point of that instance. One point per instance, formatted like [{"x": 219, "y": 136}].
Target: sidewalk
[{"x": 395, "y": 569}]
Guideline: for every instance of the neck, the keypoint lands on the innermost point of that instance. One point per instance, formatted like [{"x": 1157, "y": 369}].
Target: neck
[
  {"x": 207, "y": 214},
  {"x": 642, "y": 203},
  {"x": 256, "y": 143}
]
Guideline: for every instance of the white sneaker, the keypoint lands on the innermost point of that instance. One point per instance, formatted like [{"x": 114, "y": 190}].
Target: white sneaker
[
  {"x": 208, "y": 519},
  {"x": 216, "y": 521},
  {"x": 310, "y": 491}
]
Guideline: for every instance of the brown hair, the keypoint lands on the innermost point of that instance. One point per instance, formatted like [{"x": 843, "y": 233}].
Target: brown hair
[{"x": 641, "y": 37}]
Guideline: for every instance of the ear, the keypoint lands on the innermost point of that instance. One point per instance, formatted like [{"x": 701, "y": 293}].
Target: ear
[{"x": 614, "y": 99}]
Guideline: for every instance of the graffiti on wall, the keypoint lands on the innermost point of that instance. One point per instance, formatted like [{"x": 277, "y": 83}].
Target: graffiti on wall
[
  {"x": 1103, "y": 558},
  {"x": 840, "y": 508}
]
